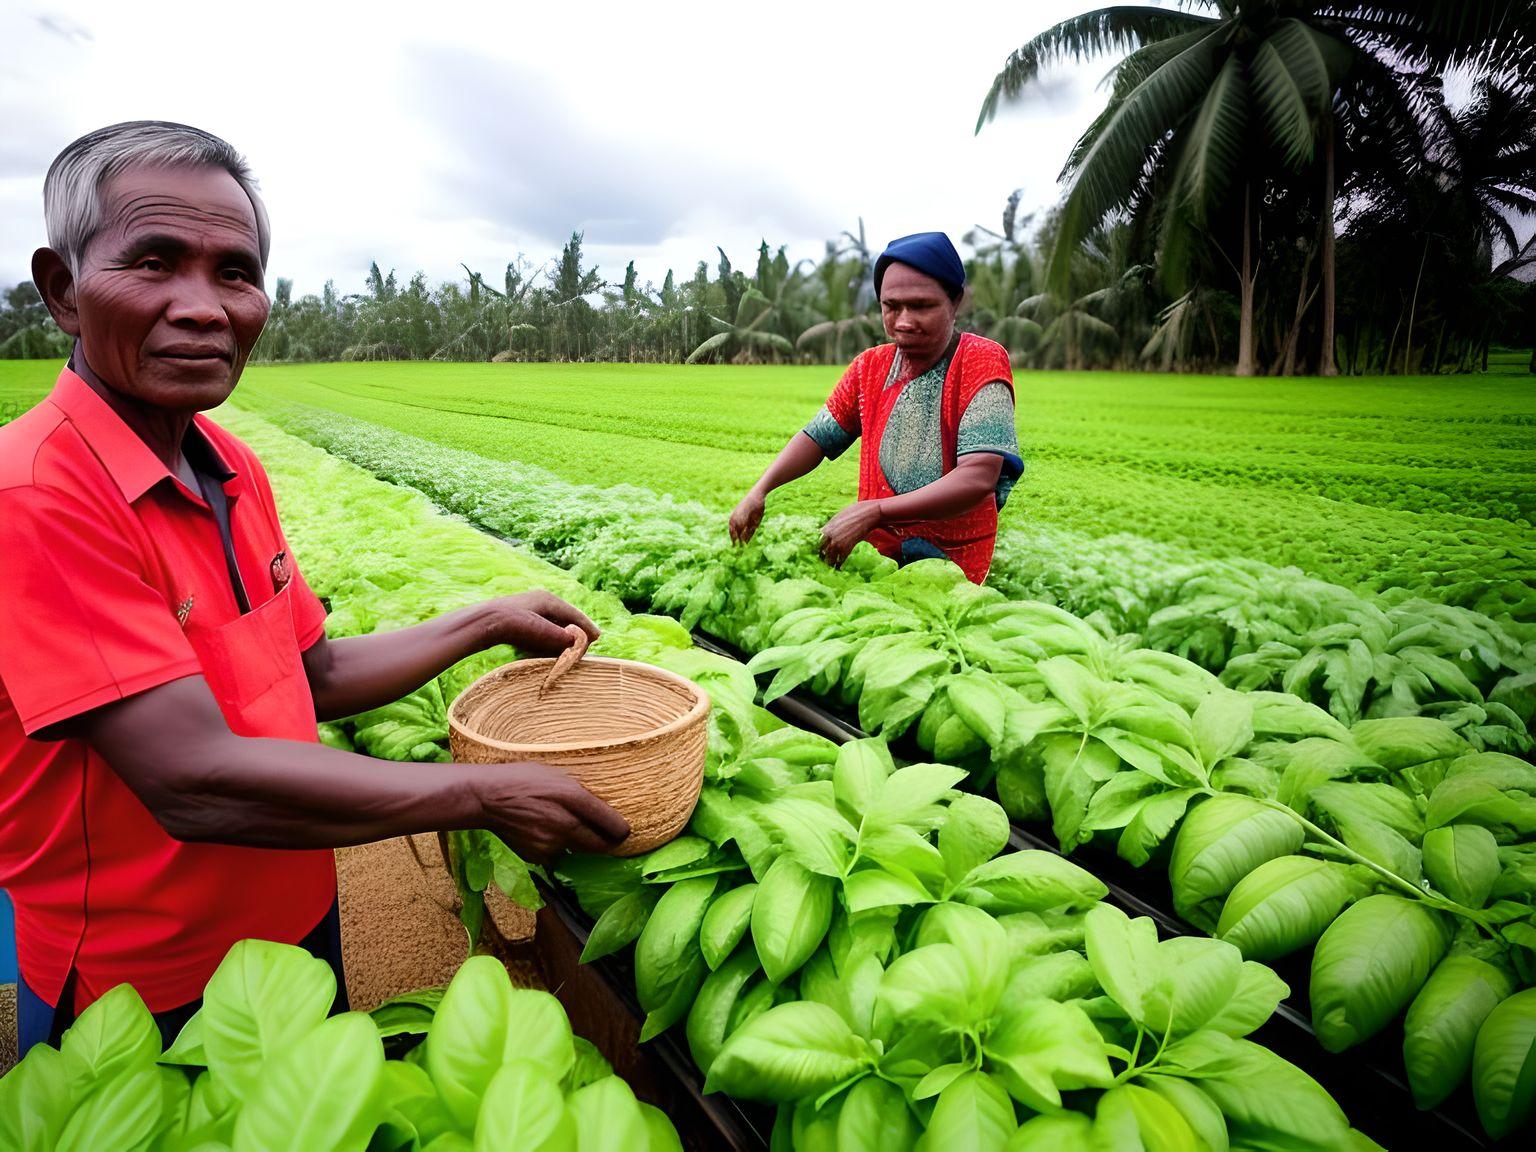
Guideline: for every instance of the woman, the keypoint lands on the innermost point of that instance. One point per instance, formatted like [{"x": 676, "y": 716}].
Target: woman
[{"x": 935, "y": 409}]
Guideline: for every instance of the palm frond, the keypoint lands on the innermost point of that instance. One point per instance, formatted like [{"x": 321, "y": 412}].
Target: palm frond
[
  {"x": 1138, "y": 125},
  {"x": 1121, "y": 28}
]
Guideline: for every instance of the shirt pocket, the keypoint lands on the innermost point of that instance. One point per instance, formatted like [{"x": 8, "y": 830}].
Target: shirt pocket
[{"x": 252, "y": 659}]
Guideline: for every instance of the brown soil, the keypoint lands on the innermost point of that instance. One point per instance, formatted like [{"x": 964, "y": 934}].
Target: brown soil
[
  {"x": 400, "y": 928},
  {"x": 8, "y": 1038}
]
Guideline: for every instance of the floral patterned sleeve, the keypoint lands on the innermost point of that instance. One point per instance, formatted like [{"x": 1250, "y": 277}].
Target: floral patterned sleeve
[
  {"x": 836, "y": 426},
  {"x": 988, "y": 426}
]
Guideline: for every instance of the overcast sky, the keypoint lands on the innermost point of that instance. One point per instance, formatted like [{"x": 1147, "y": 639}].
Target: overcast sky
[{"x": 425, "y": 135}]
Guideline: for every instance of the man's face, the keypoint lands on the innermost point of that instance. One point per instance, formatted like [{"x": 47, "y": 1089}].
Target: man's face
[
  {"x": 919, "y": 316},
  {"x": 169, "y": 295}
]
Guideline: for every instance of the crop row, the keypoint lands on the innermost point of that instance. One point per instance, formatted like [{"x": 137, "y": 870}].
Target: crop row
[
  {"x": 1430, "y": 494},
  {"x": 1397, "y": 845},
  {"x": 847, "y": 940},
  {"x": 1258, "y": 628}
]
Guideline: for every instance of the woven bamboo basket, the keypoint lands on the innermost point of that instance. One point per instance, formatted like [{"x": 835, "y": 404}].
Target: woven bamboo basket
[{"x": 634, "y": 735}]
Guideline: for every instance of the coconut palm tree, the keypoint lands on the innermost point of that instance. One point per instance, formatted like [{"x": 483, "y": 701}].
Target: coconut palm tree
[{"x": 1213, "y": 98}]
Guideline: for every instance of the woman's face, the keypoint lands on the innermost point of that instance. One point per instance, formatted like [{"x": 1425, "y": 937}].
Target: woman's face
[{"x": 918, "y": 314}]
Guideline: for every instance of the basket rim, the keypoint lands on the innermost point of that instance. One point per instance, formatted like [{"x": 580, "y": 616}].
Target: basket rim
[{"x": 695, "y": 713}]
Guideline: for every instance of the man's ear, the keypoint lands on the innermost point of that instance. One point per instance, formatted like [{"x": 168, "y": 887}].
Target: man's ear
[{"x": 56, "y": 285}]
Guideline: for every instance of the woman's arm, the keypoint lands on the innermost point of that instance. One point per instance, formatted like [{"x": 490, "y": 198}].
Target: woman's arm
[
  {"x": 798, "y": 457},
  {"x": 362, "y": 672},
  {"x": 974, "y": 478},
  {"x": 203, "y": 783}
]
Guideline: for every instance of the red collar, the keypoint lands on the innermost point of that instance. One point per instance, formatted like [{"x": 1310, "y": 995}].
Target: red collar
[{"x": 127, "y": 459}]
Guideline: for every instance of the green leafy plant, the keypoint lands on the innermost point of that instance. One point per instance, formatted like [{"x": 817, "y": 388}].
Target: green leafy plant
[{"x": 262, "y": 1066}]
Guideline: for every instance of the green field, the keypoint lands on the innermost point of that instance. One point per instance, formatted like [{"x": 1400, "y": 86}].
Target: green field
[{"x": 1356, "y": 481}]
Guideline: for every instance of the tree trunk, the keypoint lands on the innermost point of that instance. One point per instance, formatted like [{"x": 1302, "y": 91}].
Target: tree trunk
[
  {"x": 1293, "y": 337},
  {"x": 1326, "y": 366},
  {"x": 1245, "y": 361},
  {"x": 1413, "y": 309}
]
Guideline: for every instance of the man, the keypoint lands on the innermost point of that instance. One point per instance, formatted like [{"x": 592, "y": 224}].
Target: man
[
  {"x": 935, "y": 409},
  {"x": 162, "y": 661}
]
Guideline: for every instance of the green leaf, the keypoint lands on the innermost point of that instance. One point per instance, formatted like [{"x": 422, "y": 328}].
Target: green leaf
[
  {"x": 1039, "y": 1049},
  {"x": 911, "y": 795},
  {"x": 523, "y": 1108},
  {"x": 115, "y": 1035},
  {"x": 1030, "y": 880},
  {"x": 1221, "y": 841},
  {"x": 1134, "y": 1118},
  {"x": 1462, "y": 861},
  {"x": 982, "y": 702},
  {"x": 620, "y": 924},
  {"x": 35, "y": 1101},
  {"x": 790, "y": 916},
  {"x": 813, "y": 833},
  {"x": 670, "y": 940},
  {"x": 859, "y": 774},
  {"x": 709, "y": 1017},
  {"x": 482, "y": 1023},
  {"x": 321, "y": 1093},
  {"x": 1270, "y": 1104},
  {"x": 1196, "y": 979},
  {"x": 1504, "y": 1066},
  {"x": 1441, "y": 1027},
  {"x": 1061, "y": 976},
  {"x": 663, "y": 1137},
  {"x": 262, "y": 998},
  {"x": 1198, "y": 1109},
  {"x": 876, "y": 888},
  {"x": 726, "y": 923},
  {"x": 1401, "y": 742},
  {"x": 124, "y": 1112},
  {"x": 1223, "y": 725},
  {"x": 1057, "y": 1132},
  {"x": 983, "y": 943},
  {"x": 1259, "y": 992},
  {"x": 1124, "y": 956},
  {"x": 590, "y": 1065},
  {"x": 187, "y": 1048},
  {"x": 1286, "y": 903},
  {"x": 674, "y": 854},
  {"x": 875, "y": 1118},
  {"x": 973, "y": 1113},
  {"x": 1370, "y": 964},
  {"x": 789, "y": 1053},
  {"x": 607, "y": 1117},
  {"x": 975, "y": 829},
  {"x": 1154, "y": 819},
  {"x": 931, "y": 985}
]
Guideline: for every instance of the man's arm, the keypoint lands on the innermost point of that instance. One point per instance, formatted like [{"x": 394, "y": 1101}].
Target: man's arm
[
  {"x": 358, "y": 673},
  {"x": 203, "y": 783}
]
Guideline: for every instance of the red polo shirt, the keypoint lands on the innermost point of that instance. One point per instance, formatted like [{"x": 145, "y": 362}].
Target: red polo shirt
[{"x": 113, "y": 580}]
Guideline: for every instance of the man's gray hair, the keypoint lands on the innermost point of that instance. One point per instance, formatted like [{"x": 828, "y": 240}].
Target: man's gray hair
[{"x": 72, "y": 189}]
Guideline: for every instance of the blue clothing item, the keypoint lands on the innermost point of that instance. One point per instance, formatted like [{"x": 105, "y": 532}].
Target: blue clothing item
[
  {"x": 38, "y": 1022},
  {"x": 931, "y": 253}
]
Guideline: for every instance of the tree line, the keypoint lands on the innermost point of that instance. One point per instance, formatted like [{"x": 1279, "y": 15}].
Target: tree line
[{"x": 1273, "y": 186}]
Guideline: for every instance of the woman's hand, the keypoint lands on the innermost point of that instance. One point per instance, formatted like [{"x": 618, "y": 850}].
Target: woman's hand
[
  {"x": 541, "y": 810},
  {"x": 534, "y": 622},
  {"x": 847, "y": 528},
  {"x": 746, "y": 517}
]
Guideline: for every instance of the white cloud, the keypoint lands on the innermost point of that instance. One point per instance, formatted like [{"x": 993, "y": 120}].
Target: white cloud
[{"x": 425, "y": 135}]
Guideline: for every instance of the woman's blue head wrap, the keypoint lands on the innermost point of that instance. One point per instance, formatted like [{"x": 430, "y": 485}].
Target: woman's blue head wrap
[{"x": 930, "y": 253}]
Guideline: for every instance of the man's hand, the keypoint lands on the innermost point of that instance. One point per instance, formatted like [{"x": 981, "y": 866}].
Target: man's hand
[
  {"x": 535, "y": 622},
  {"x": 847, "y": 528},
  {"x": 540, "y": 810},
  {"x": 746, "y": 517}
]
